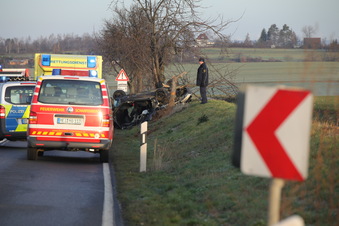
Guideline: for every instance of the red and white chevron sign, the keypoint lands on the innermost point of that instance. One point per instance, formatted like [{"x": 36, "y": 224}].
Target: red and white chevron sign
[{"x": 276, "y": 132}]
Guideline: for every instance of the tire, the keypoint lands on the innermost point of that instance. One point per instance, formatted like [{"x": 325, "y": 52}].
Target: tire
[
  {"x": 104, "y": 155},
  {"x": 118, "y": 94},
  {"x": 32, "y": 153}
]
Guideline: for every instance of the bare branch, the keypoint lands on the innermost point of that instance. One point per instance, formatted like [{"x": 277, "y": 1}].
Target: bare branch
[{"x": 151, "y": 33}]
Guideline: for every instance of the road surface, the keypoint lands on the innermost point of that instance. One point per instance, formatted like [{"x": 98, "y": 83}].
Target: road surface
[{"x": 60, "y": 188}]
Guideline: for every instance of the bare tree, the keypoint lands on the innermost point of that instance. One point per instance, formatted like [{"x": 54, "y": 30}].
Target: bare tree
[
  {"x": 123, "y": 42},
  {"x": 147, "y": 36},
  {"x": 9, "y": 43},
  {"x": 248, "y": 42},
  {"x": 309, "y": 31}
]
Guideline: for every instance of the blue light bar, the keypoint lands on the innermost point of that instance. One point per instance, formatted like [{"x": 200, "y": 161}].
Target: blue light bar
[
  {"x": 93, "y": 73},
  {"x": 46, "y": 60},
  {"x": 91, "y": 61},
  {"x": 0, "y": 67},
  {"x": 3, "y": 79},
  {"x": 56, "y": 72}
]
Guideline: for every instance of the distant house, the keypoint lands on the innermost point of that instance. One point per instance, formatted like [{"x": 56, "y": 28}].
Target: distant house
[
  {"x": 312, "y": 43},
  {"x": 202, "y": 40}
]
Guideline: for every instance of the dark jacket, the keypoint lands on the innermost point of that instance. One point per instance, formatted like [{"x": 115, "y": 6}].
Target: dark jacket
[{"x": 202, "y": 75}]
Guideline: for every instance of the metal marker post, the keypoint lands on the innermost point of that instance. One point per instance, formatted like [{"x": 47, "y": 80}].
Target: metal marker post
[
  {"x": 143, "y": 147},
  {"x": 274, "y": 200}
]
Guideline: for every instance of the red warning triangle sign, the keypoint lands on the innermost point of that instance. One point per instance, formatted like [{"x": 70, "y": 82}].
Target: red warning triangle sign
[{"x": 122, "y": 76}]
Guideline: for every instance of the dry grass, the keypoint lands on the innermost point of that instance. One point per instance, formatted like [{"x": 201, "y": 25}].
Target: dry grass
[{"x": 316, "y": 199}]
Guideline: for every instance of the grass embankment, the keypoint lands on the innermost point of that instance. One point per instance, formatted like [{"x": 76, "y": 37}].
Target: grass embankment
[{"x": 190, "y": 179}]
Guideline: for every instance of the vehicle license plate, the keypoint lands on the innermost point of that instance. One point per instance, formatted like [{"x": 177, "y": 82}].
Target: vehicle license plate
[{"x": 70, "y": 121}]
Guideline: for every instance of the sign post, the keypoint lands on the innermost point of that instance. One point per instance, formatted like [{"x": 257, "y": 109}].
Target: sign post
[
  {"x": 122, "y": 80},
  {"x": 272, "y": 136},
  {"x": 274, "y": 200}
]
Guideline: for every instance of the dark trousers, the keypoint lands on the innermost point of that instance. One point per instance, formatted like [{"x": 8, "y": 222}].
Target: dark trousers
[{"x": 203, "y": 94}]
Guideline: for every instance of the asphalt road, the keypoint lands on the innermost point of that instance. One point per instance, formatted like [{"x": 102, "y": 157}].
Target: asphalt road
[{"x": 60, "y": 188}]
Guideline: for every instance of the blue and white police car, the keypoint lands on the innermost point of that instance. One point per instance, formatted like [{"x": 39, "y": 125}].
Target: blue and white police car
[{"x": 15, "y": 100}]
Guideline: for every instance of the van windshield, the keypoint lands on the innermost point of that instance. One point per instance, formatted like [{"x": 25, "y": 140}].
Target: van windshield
[{"x": 62, "y": 91}]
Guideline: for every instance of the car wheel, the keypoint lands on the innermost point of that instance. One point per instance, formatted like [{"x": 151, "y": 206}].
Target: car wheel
[
  {"x": 104, "y": 155},
  {"x": 32, "y": 153},
  {"x": 118, "y": 94}
]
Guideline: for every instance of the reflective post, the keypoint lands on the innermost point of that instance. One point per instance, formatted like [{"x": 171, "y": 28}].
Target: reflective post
[{"x": 143, "y": 147}]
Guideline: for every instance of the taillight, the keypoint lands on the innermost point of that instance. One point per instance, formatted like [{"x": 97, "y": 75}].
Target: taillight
[
  {"x": 105, "y": 120},
  {"x": 33, "y": 119},
  {"x": 2, "y": 111}
]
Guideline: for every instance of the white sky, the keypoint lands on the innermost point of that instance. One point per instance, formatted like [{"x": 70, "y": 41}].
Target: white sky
[{"x": 35, "y": 18}]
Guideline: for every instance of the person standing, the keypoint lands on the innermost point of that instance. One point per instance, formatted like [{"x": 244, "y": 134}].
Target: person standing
[{"x": 202, "y": 79}]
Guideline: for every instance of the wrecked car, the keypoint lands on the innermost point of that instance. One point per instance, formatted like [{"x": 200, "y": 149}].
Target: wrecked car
[{"x": 131, "y": 110}]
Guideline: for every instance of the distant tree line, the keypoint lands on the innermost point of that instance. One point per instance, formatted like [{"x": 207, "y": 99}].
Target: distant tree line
[
  {"x": 85, "y": 44},
  {"x": 283, "y": 38},
  {"x": 88, "y": 44},
  {"x": 273, "y": 37}
]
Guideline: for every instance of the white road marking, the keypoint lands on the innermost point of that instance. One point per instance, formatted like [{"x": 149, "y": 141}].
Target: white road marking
[
  {"x": 4, "y": 141},
  {"x": 107, "y": 213}
]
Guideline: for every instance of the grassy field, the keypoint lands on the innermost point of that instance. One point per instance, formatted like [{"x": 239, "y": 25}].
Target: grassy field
[
  {"x": 295, "y": 67},
  {"x": 190, "y": 179},
  {"x": 321, "y": 77},
  {"x": 283, "y": 55}
]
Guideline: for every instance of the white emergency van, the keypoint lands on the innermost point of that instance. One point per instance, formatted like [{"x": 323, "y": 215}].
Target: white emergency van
[{"x": 70, "y": 113}]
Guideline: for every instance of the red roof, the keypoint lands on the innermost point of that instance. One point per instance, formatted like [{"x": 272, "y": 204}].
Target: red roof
[{"x": 203, "y": 37}]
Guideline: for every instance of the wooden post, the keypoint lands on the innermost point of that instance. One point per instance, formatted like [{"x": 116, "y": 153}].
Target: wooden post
[
  {"x": 143, "y": 147},
  {"x": 274, "y": 200}
]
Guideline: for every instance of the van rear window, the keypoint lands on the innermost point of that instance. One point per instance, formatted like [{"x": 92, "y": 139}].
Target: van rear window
[
  {"x": 19, "y": 94},
  {"x": 61, "y": 91}
]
